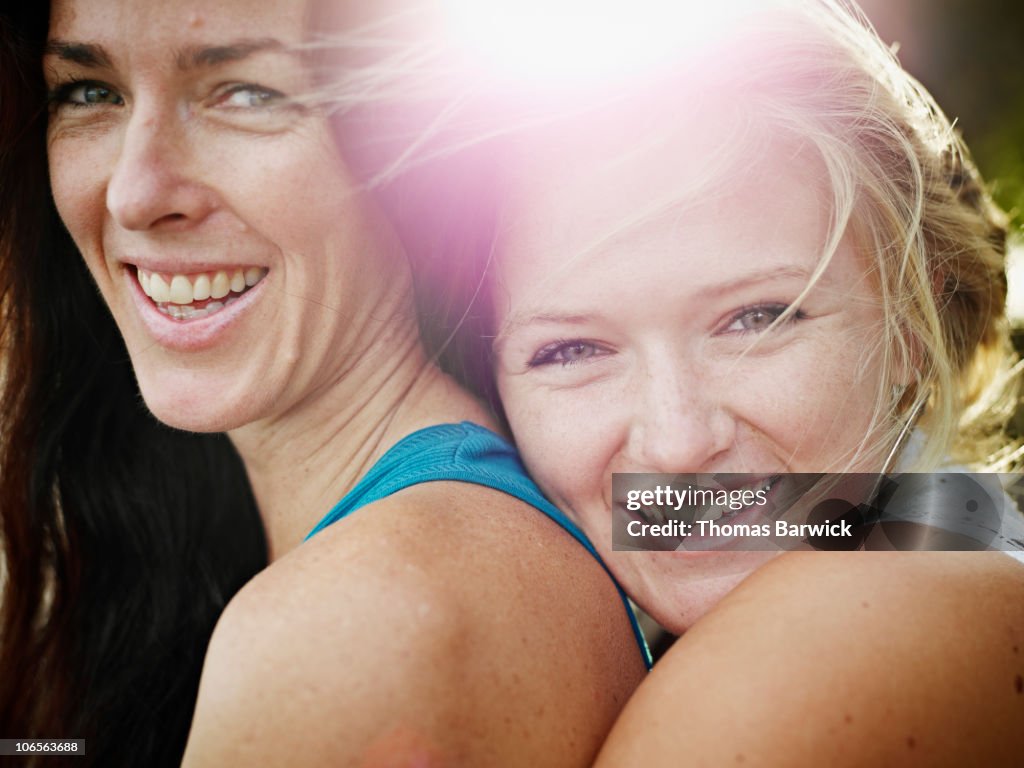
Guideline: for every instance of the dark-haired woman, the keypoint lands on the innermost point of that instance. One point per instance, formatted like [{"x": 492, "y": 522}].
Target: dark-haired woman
[{"x": 248, "y": 285}]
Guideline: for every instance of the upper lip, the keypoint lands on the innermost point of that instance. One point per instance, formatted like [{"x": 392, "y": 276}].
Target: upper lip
[
  {"x": 732, "y": 481},
  {"x": 181, "y": 267},
  {"x": 729, "y": 481},
  {"x": 719, "y": 481}
]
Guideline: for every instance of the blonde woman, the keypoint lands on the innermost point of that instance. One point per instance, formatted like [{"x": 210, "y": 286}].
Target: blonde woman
[{"x": 773, "y": 257}]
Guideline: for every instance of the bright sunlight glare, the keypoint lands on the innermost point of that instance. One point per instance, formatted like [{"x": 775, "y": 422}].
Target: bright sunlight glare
[{"x": 571, "y": 40}]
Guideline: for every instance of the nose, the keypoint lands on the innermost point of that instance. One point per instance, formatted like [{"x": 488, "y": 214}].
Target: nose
[
  {"x": 679, "y": 425},
  {"x": 150, "y": 184}
]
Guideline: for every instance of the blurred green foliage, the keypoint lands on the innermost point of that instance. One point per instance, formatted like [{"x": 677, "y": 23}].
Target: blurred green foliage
[{"x": 970, "y": 55}]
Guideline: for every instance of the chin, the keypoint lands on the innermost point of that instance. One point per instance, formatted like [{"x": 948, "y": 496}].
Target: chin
[
  {"x": 695, "y": 607},
  {"x": 183, "y": 400},
  {"x": 687, "y": 604},
  {"x": 679, "y": 601},
  {"x": 190, "y": 417}
]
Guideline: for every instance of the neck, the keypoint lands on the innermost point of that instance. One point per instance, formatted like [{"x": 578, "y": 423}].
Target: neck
[{"x": 302, "y": 462}]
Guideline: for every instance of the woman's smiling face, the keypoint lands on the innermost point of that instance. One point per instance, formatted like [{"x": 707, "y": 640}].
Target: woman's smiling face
[
  {"x": 218, "y": 221},
  {"x": 631, "y": 349}
]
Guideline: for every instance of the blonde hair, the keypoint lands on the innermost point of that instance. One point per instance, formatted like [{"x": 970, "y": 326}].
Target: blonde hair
[{"x": 901, "y": 180}]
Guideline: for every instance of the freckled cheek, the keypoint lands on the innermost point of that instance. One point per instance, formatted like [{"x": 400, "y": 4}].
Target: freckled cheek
[
  {"x": 330, "y": 223},
  {"x": 71, "y": 187},
  {"x": 534, "y": 424},
  {"x": 295, "y": 163},
  {"x": 816, "y": 407},
  {"x": 846, "y": 382},
  {"x": 79, "y": 196},
  {"x": 558, "y": 443}
]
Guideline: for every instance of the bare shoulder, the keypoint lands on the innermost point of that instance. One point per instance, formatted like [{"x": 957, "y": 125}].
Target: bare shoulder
[
  {"x": 429, "y": 627},
  {"x": 843, "y": 659}
]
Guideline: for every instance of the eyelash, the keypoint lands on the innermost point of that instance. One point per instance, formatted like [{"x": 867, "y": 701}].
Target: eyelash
[
  {"x": 773, "y": 310},
  {"x": 548, "y": 354},
  {"x": 60, "y": 95},
  {"x": 225, "y": 94}
]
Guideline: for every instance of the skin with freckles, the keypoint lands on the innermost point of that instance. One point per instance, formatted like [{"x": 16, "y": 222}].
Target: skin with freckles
[
  {"x": 654, "y": 315},
  {"x": 190, "y": 162},
  {"x": 635, "y": 354},
  {"x": 179, "y": 150},
  {"x": 419, "y": 629},
  {"x": 841, "y": 659}
]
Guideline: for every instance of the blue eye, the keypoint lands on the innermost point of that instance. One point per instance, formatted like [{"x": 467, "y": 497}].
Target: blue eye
[
  {"x": 249, "y": 96},
  {"x": 759, "y": 318},
  {"x": 566, "y": 353},
  {"x": 85, "y": 93}
]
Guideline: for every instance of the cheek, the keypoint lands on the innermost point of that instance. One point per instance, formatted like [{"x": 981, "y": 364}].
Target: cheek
[
  {"x": 334, "y": 230},
  {"x": 76, "y": 180},
  {"x": 535, "y": 423},
  {"x": 814, "y": 405},
  {"x": 843, "y": 385},
  {"x": 296, "y": 162},
  {"x": 566, "y": 439},
  {"x": 293, "y": 171}
]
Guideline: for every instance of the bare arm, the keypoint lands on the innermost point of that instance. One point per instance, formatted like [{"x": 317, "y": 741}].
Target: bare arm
[
  {"x": 844, "y": 659},
  {"x": 428, "y": 630}
]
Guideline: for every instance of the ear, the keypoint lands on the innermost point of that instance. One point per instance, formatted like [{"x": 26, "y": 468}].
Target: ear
[{"x": 909, "y": 359}]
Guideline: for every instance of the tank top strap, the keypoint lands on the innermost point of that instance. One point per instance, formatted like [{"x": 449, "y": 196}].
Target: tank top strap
[{"x": 469, "y": 453}]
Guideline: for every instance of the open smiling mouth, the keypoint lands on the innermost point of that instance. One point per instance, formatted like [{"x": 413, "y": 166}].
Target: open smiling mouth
[
  {"x": 720, "y": 504},
  {"x": 191, "y": 297}
]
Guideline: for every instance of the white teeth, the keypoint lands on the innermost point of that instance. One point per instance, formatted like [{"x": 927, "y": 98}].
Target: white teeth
[
  {"x": 220, "y": 286},
  {"x": 175, "y": 294},
  {"x": 181, "y": 290},
  {"x": 201, "y": 288},
  {"x": 159, "y": 291},
  {"x": 713, "y": 513},
  {"x": 179, "y": 312},
  {"x": 183, "y": 313},
  {"x": 707, "y": 513},
  {"x": 718, "y": 512}
]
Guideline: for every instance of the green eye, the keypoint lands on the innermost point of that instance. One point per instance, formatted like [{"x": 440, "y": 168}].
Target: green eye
[
  {"x": 89, "y": 94},
  {"x": 759, "y": 318},
  {"x": 97, "y": 94}
]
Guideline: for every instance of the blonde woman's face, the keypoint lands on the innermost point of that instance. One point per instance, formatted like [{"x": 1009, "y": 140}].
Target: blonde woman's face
[
  {"x": 225, "y": 233},
  {"x": 632, "y": 349}
]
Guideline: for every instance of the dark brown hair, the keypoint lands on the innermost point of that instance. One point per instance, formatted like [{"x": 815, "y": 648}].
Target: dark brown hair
[{"x": 122, "y": 539}]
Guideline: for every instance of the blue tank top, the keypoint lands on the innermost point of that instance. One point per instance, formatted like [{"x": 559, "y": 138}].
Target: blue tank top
[{"x": 467, "y": 453}]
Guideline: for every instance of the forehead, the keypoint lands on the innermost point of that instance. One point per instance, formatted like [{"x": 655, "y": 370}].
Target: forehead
[
  {"x": 706, "y": 188},
  {"x": 149, "y": 24}
]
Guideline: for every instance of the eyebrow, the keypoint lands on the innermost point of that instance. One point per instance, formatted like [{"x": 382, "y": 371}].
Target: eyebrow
[
  {"x": 193, "y": 57},
  {"x": 552, "y": 318},
  {"x": 784, "y": 272},
  {"x": 86, "y": 54},
  {"x": 213, "y": 55},
  {"x": 517, "y": 322}
]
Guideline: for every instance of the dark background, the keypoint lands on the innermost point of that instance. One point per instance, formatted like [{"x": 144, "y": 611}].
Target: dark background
[{"x": 970, "y": 55}]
